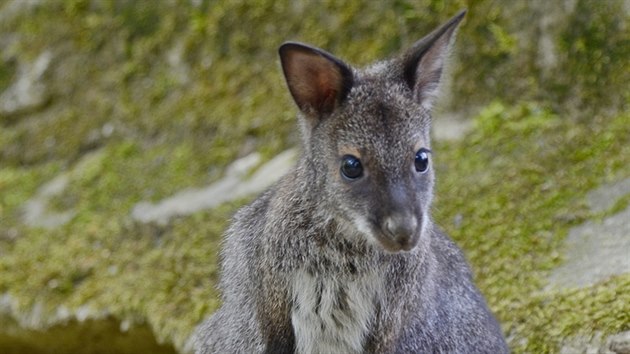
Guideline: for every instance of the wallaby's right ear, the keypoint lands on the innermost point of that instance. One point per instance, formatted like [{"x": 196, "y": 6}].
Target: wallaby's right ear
[
  {"x": 318, "y": 81},
  {"x": 424, "y": 61}
]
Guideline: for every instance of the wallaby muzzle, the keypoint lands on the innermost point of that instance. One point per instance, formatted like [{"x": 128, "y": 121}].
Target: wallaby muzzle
[
  {"x": 398, "y": 218},
  {"x": 401, "y": 232}
]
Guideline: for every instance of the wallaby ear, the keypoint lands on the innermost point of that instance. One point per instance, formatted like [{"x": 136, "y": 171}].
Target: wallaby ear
[
  {"x": 423, "y": 63},
  {"x": 317, "y": 80}
]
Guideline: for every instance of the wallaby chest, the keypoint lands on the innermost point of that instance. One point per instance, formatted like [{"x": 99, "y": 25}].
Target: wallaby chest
[{"x": 333, "y": 313}]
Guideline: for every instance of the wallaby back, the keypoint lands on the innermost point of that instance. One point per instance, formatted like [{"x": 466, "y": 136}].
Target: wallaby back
[{"x": 341, "y": 255}]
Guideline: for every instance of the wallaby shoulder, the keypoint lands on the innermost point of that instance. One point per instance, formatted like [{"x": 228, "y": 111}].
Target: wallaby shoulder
[
  {"x": 454, "y": 317},
  {"x": 255, "y": 304}
]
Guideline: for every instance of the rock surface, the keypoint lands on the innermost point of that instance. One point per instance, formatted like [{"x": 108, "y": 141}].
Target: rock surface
[
  {"x": 164, "y": 99},
  {"x": 620, "y": 343},
  {"x": 450, "y": 127},
  {"x": 606, "y": 196},
  {"x": 236, "y": 184},
  {"x": 597, "y": 344},
  {"x": 595, "y": 251},
  {"x": 36, "y": 211},
  {"x": 29, "y": 91}
]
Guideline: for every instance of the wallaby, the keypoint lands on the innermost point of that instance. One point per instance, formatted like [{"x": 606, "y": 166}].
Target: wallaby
[{"x": 341, "y": 254}]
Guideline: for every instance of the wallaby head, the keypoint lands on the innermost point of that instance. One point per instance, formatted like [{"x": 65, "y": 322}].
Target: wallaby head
[{"x": 366, "y": 135}]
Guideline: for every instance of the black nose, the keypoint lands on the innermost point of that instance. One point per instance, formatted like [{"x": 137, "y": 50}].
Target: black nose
[{"x": 401, "y": 228}]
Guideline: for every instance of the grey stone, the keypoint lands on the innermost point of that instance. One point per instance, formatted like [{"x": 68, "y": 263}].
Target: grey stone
[
  {"x": 579, "y": 345},
  {"x": 177, "y": 62},
  {"x": 450, "y": 127},
  {"x": 597, "y": 344},
  {"x": 13, "y": 9},
  {"x": 606, "y": 196},
  {"x": 29, "y": 91},
  {"x": 35, "y": 211},
  {"x": 233, "y": 186},
  {"x": 620, "y": 343},
  {"x": 594, "y": 252}
]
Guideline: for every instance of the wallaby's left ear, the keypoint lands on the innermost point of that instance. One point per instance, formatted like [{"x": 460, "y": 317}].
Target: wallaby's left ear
[
  {"x": 317, "y": 80},
  {"x": 423, "y": 63}
]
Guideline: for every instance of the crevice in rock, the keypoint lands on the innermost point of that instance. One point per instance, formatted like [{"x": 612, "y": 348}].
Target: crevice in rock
[{"x": 106, "y": 336}]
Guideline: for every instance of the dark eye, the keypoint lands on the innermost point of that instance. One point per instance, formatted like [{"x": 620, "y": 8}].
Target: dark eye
[
  {"x": 351, "y": 167},
  {"x": 422, "y": 160}
]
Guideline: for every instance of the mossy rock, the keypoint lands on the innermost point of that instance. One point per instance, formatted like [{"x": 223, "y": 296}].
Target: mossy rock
[{"x": 168, "y": 93}]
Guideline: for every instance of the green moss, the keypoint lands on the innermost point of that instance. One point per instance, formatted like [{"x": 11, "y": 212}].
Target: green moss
[
  {"x": 16, "y": 186},
  {"x": 143, "y": 273},
  {"x": 514, "y": 188},
  {"x": 620, "y": 205},
  {"x": 597, "y": 48},
  {"x": 546, "y": 320},
  {"x": 516, "y": 185},
  {"x": 129, "y": 42},
  {"x": 7, "y": 72},
  {"x": 127, "y": 126}
]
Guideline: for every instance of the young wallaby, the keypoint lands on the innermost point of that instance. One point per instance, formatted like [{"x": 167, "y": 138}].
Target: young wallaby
[{"x": 341, "y": 255}]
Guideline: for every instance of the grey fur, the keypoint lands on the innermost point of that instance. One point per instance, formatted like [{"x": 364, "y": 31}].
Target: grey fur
[{"x": 321, "y": 263}]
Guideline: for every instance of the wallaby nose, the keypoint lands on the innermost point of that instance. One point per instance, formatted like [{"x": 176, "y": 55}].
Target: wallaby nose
[{"x": 401, "y": 229}]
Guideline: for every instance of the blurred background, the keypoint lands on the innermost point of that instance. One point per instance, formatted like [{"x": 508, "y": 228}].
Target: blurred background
[{"x": 130, "y": 131}]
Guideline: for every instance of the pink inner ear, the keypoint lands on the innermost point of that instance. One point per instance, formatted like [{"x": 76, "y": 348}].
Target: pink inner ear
[
  {"x": 327, "y": 87},
  {"x": 314, "y": 81}
]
